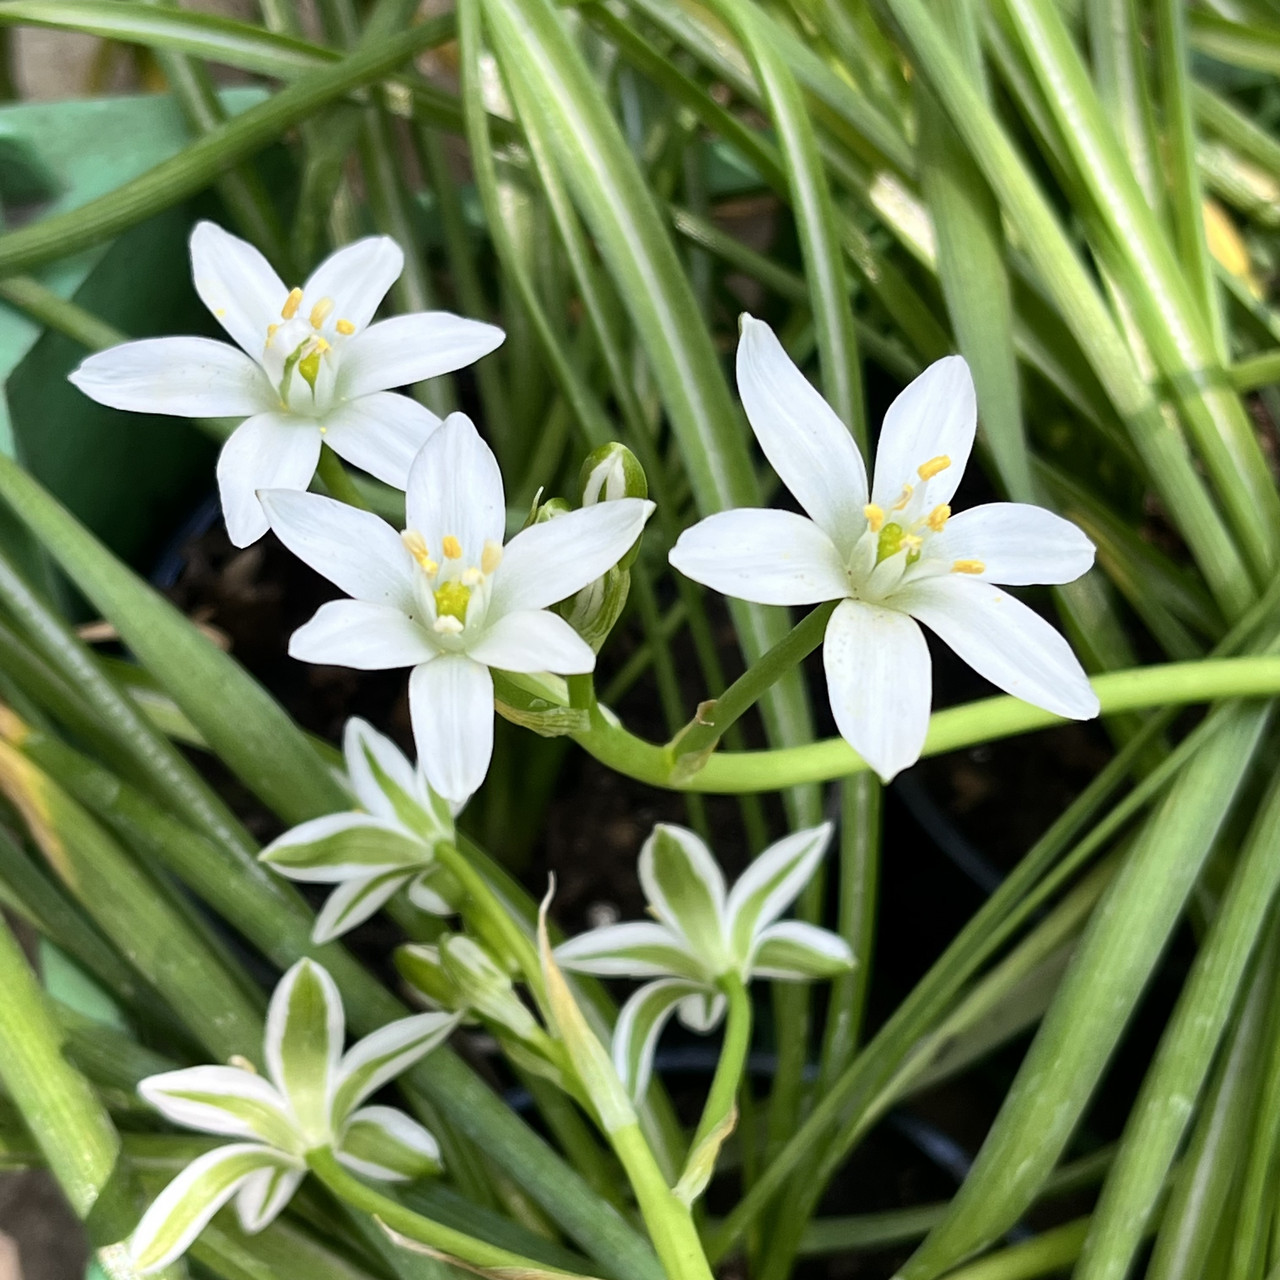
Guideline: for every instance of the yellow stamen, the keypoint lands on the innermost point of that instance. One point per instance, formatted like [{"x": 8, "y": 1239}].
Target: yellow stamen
[
  {"x": 272, "y": 330},
  {"x": 968, "y": 566},
  {"x": 938, "y": 518},
  {"x": 490, "y": 557},
  {"x": 933, "y": 467},
  {"x": 912, "y": 541},
  {"x": 345, "y": 327},
  {"x": 320, "y": 312},
  {"x": 452, "y": 547},
  {"x": 472, "y": 577},
  {"x": 416, "y": 545},
  {"x": 291, "y": 304},
  {"x": 907, "y": 491},
  {"x": 875, "y": 517}
]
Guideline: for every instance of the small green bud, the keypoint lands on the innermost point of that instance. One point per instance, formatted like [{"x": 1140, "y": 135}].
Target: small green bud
[
  {"x": 484, "y": 985},
  {"x": 550, "y": 509},
  {"x": 422, "y": 967},
  {"x": 611, "y": 472},
  {"x": 594, "y": 610}
]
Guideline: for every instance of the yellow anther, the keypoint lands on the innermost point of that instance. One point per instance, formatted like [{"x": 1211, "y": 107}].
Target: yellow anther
[
  {"x": 416, "y": 545},
  {"x": 938, "y": 517},
  {"x": 452, "y": 547},
  {"x": 875, "y": 517},
  {"x": 912, "y": 541},
  {"x": 272, "y": 330},
  {"x": 291, "y": 304},
  {"x": 472, "y": 577},
  {"x": 968, "y": 566},
  {"x": 320, "y": 312},
  {"x": 490, "y": 557},
  {"x": 447, "y": 625},
  {"x": 907, "y": 491},
  {"x": 933, "y": 467},
  {"x": 345, "y": 327}
]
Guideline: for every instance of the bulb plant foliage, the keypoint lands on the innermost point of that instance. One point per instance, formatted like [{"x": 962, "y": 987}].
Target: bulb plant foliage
[{"x": 1001, "y": 409}]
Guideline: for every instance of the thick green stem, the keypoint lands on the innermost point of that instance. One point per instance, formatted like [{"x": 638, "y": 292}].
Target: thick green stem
[{"x": 986, "y": 720}]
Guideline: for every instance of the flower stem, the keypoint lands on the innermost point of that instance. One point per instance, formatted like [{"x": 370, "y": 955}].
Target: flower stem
[
  {"x": 986, "y": 720},
  {"x": 333, "y": 475},
  {"x": 698, "y": 739},
  {"x": 437, "y": 1238},
  {"x": 733, "y": 1060}
]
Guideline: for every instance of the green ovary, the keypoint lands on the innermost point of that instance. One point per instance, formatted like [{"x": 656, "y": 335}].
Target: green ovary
[{"x": 452, "y": 599}]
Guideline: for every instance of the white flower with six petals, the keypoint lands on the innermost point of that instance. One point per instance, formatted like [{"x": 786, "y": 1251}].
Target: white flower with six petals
[
  {"x": 893, "y": 556},
  {"x": 702, "y": 932},
  {"x": 308, "y": 368},
  {"x": 308, "y": 1100},
  {"x": 446, "y": 597}
]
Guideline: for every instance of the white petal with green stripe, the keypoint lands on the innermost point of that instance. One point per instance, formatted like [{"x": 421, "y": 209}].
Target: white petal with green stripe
[
  {"x": 640, "y": 1023},
  {"x": 339, "y": 846},
  {"x": 771, "y": 884},
  {"x": 181, "y": 1211},
  {"x": 228, "y": 1100},
  {"x": 686, "y": 890},
  {"x": 304, "y": 1042},
  {"x": 263, "y": 1194},
  {"x": 795, "y": 951},
  {"x": 384, "y": 1054},
  {"x": 381, "y": 1142},
  {"x": 353, "y": 902},
  {"x": 637, "y": 950},
  {"x": 387, "y": 785}
]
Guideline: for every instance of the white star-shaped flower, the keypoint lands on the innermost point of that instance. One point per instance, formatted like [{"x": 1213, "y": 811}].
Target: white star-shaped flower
[
  {"x": 446, "y": 597},
  {"x": 308, "y": 368},
  {"x": 702, "y": 931},
  {"x": 893, "y": 556},
  {"x": 308, "y": 1100}
]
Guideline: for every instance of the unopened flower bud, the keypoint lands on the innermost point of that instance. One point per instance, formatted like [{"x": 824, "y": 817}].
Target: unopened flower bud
[
  {"x": 422, "y": 967},
  {"x": 484, "y": 985},
  {"x": 612, "y": 472},
  {"x": 549, "y": 510}
]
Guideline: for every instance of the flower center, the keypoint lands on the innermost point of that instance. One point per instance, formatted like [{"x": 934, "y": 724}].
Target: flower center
[
  {"x": 304, "y": 345},
  {"x": 457, "y": 588}
]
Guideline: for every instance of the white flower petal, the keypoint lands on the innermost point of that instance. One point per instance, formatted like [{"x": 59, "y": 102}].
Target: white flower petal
[
  {"x": 407, "y": 349},
  {"x": 455, "y": 489},
  {"x": 770, "y": 557},
  {"x": 386, "y": 1053},
  {"x": 772, "y": 882},
  {"x": 269, "y": 451},
  {"x": 358, "y": 552},
  {"x": 375, "y": 763},
  {"x": 216, "y": 1099},
  {"x": 356, "y": 277},
  {"x": 303, "y": 1042},
  {"x": 794, "y": 951},
  {"x": 638, "y": 949},
  {"x": 237, "y": 284},
  {"x": 343, "y": 846},
  {"x": 533, "y": 640},
  {"x": 383, "y": 1143},
  {"x": 263, "y": 1194},
  {"x": 640, "y": 1023},
  {"x": 367, "y": 637},
  {"x": 805, "y": 442},
  {"x": 1018, "y": 543},
  {"x": 701, "y": 1010},
  {"x": 451, "y": 705},
  {"x": 183, "y": 1209},
  {"x": 685, "y": 889},
  {"x": 935, "y": 416},
  {"x": 1004, "y": 641},
  {"x": 353, "y": 902},
  {"x": 185, "y": 377},
  {"x": 380, "y": 434},
  {"x": 879, "y": 680},
  {"x": 548, "y": 562}
]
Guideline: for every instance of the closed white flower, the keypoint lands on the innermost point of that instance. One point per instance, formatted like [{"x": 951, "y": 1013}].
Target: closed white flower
[
  {"x": 893, "y": 556},
  {"x": 446, "y": 597},
  {"x": 308, "y": 368}
]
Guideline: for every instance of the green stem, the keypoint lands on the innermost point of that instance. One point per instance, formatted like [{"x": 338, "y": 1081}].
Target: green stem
[
  {"x": 333, "y": 475},
  {"x": 986, "y": 720},
  {"x": 437, "y": 1238},
  {"x": 733, "y": 1060},
  {"x": 698, "y": 739}
]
